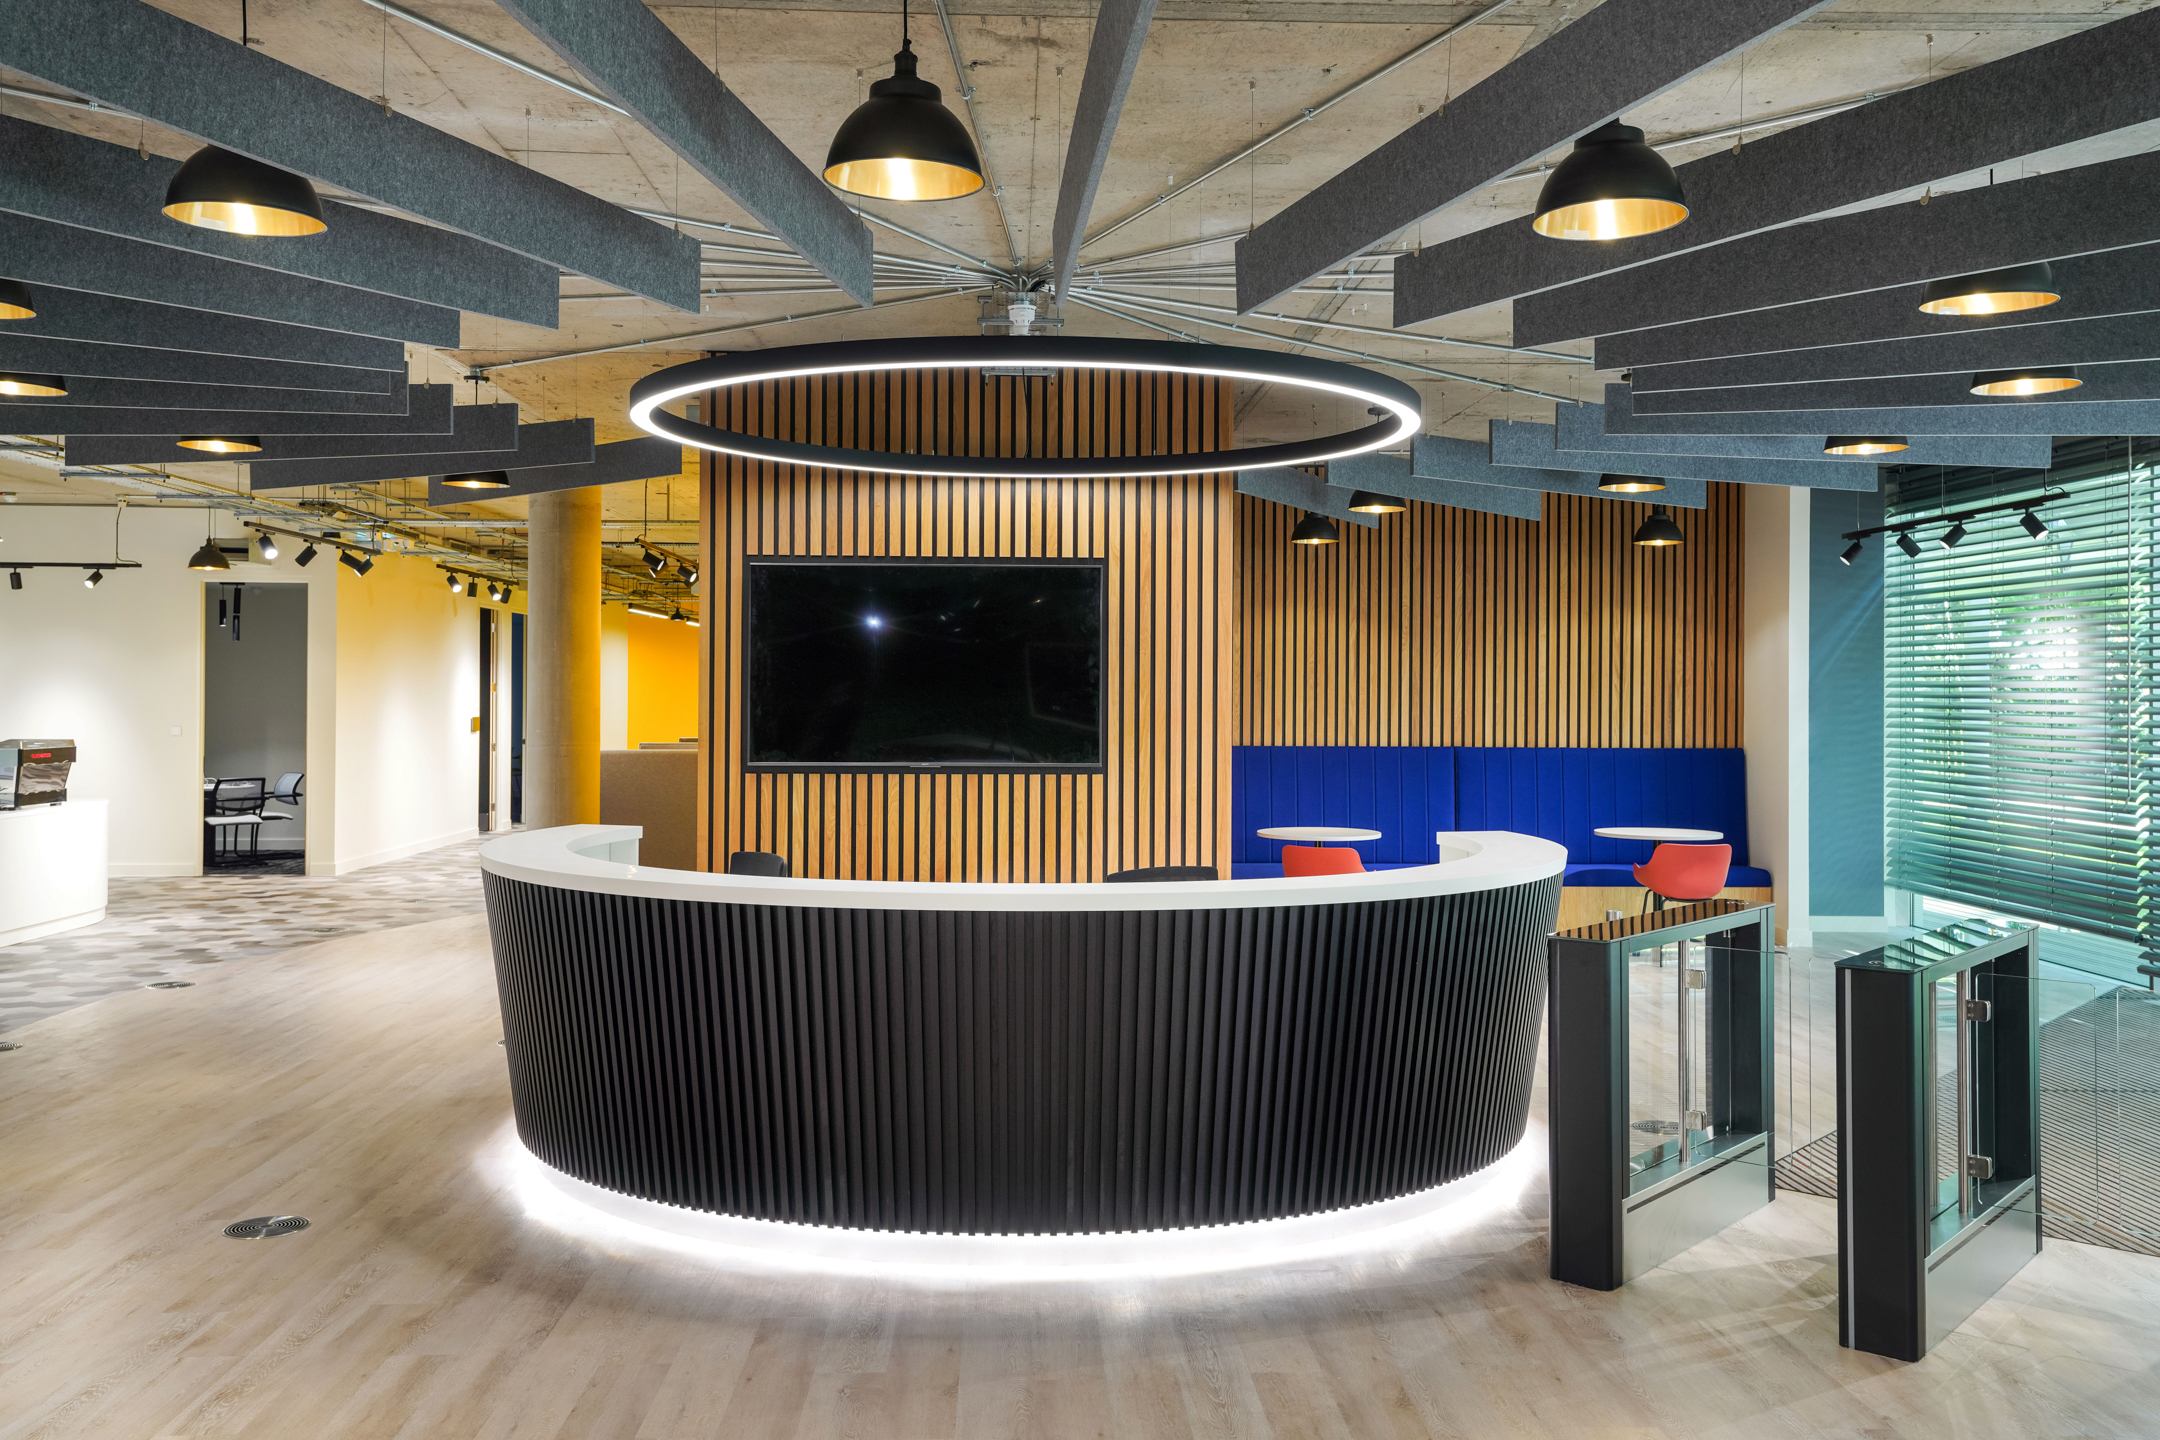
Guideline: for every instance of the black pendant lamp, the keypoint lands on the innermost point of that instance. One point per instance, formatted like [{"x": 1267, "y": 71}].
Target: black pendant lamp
[
  {"x": 1629, "y": 484},
  {"x": 1611, "y": 186},
  {"x": 1372, "y": 502},
  {"x": 1659, "y": 529},
  {"x": 902, "y": 143},
  {"x": 1992, "y": 292},
  {"x": 219, "y": 190},
  {"x": 1864, "y": 444},
  {"x": 1314, "y": 530},
  {"x": 23, "y": 382},
  {"x": 208, "y": 558},
  {"x": 2027, "y": 380},
  {"x": 479, "y": 480},
  {"x": 221, "y": 444},
  {"x": 15, "y": 302}
]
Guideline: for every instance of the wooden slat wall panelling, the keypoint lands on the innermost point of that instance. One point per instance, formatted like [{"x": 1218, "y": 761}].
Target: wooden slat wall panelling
[
  {"x": 1445, "y": 627},
  {"x": 1164, "y": 798}
]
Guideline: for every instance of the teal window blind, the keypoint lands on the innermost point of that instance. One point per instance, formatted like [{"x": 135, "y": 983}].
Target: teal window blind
[{"x": 2018, "y": 691}]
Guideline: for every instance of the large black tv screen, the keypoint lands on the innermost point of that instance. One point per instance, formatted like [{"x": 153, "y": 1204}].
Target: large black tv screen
[{"x": 891, "y": 665}]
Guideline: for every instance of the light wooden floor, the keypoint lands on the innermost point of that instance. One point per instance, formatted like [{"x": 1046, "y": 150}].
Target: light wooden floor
[{"x": 355, "y": 1081}]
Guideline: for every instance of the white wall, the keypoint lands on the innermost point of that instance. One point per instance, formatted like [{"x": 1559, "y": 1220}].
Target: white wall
[
  {"x": 1774, "y": 695},
  {"x": 255, "y": 693},
  {"x": 408, "y": 691}
]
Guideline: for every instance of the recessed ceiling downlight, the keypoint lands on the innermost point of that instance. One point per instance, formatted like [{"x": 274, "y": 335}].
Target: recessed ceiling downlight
[
  {"x": 1610, "y": 187},
  {"x": 218, "y": 190},
  {"x": 1398, "y": 403},
  {"x": 1864, "y": 444},
  {"x": 1992, "y": 292},
  {"x": 2027, "y": 380}
]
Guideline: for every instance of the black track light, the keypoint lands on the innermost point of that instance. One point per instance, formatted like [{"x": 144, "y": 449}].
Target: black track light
[
  {"x": 15, "y": 301},
  {"x": 479, "y": 480},
  {"x": 1629, "y": 484},
  {"x": 266, "y": 545},
  {"x": 305, "y": 555},
  {"x": 208, "y": 558},
  {"x": 654, "y": 564},
  {"x": 94, "y": 579},
  {"x": 1659, "y": 529},
  {"x": 1610, "y": 186},
  {"x": 358, "y": 564},
  {"x": 2027, "y": 380},
  {"x": 1852, "y": 552},
  {"x": 457, "y": 585},
  {"x": 1992, "y": 292},
  {"x": 1864, "y": 444},
  {"x": 902, "y": 143},
  {"x": 221, "y": 444},
  {"x": 14, "y": 580},
  {"x": 1951, "y": 536},
  {"x": 219, "y": 190},
  {"x": 1372, "y": 502},
  {"x": 2034, "y": 525},
  {"x": 1314, "y": 530},
  {"x": 1906, "y": 543},
  {"x": 24, "y": 382},
  {"x": 688, "y": 572}
]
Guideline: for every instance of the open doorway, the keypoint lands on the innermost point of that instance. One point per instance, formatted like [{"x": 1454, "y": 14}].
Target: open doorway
[{"x": 255, "y": 728}]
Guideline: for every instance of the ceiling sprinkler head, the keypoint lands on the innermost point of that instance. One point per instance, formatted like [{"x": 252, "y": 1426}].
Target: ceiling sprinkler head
[{"x": 1020, "y": 314}]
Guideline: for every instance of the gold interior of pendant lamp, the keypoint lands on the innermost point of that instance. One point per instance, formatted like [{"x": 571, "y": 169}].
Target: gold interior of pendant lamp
[
  {"x": 221, "y": 444},
  {"x": 898, "y": 179},
  {"x": 1609, "y": 219},
  {"x": 1864, "y": 447},
  {"x": 1629, "y": 484},
  {"x": 237, "y": 219},
  {"x": 29, "y": 385},
  {"x": 2029, "y": 385},
  {"x": 1991, "y": 302}
]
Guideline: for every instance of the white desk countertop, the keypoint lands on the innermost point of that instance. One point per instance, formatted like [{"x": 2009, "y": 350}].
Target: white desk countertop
[{"x": 601, "y": 858}]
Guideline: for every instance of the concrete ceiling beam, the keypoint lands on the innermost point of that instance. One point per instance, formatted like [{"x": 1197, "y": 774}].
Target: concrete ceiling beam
[
  {"x": 1612, "y": 59},
  {"x": 154, "y": 64},
  {"x": 74, "y": 180},
  {"x": 2081, "y": 86},
  {"x": 629, "y": 53}
]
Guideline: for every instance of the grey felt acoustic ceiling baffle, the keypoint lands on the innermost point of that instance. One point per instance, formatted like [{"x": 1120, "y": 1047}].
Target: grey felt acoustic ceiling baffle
[
  {"x": 2135, "y": 380},
  {"x": 629, "y": 53},
  {"x": 1302, "y": 491},
  {"x": 2082, "y": 85},
  {"x": 1689, "y": 494},
  {"x": 1582, "y": 428},
  {"x": 2085, "y": 342},
  {"x": 645, "y": 458},
  {"x": 473, "y": 427},
  {"x": 157, "y": 65},
  {"x": 552, "y": 442},
  {"x": 1517, "y": 443},
  {"x": 40, "y": 254},
  {"x": 2045, "y": 217},
  {"x": 1604, "y": 64},
  {"x": 80, "y": 358},
  {"x": 1121, "y": 28},
  {"x": 109, "y": 320},
  {"x": 1680, "y": 491},
  {"x": 1997, "y": 417},
  {"x": 92, "y": 394},
  {"x": 75, "y": 180},
  {"x": 429, "y": 414},
  {"x": 2111, "y": 283}
]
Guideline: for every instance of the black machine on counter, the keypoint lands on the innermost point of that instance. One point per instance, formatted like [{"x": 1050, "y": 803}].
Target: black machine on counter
[{"x": 34, "y": 772}]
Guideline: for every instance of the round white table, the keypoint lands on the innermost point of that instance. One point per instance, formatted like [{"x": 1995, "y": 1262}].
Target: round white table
[
  {"x": 1317, "y": 834},
  {"x": 1656, "y": 832}
]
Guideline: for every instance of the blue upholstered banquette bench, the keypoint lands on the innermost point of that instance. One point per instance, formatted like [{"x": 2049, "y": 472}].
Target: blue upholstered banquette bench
[{"x": 1409, "y": 792}]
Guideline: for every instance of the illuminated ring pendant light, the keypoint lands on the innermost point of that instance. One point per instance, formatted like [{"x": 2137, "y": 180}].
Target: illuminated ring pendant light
[{"x": 1401, "y": 417}]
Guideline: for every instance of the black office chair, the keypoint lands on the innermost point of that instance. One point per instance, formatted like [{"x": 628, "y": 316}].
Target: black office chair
[
  {"x": 758, "y": 862},
  {"x": 238, "y": 796},
  {"x": 1163, "y": 872}
]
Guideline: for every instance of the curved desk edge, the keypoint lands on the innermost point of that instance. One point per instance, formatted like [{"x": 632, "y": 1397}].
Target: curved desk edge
[{"x": 600, "y": 858}]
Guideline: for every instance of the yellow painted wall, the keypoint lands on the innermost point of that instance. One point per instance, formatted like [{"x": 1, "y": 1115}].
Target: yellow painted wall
[{"x": 663, "y": 680}]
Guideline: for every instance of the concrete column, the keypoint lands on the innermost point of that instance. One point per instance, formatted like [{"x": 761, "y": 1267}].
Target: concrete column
[
  {"x": 1774, "y": 695},
  {"x": 562, "y": 660}
]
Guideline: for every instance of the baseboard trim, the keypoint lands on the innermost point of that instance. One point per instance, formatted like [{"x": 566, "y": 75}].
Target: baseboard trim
[
  {"x": 152, "y": 869},
  {"x": 51, "y": 927},
  {"x": 396, "y": 852}
]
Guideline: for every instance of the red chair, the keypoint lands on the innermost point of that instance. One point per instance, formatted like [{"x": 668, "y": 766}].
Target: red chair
[
  {"x": 1684, "y": 872},
  {"x": 1301, "y": 860}
]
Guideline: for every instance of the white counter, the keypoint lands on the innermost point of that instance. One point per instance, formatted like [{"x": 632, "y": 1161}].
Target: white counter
[
  {"x": 52, "y": 869},
  {"x": 603, "y": 858}
]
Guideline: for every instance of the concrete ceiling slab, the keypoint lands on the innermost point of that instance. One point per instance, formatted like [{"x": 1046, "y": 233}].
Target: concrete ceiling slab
[
  {"x": 1614, "y": 58},
  {"x": 551, "y": 442},
  {"x": 156, "y": 65},
  {"x": 2072, "y": 88}
]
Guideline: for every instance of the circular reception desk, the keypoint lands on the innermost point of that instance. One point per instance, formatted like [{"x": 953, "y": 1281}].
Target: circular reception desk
[{"x": 1018, "y": 1059}]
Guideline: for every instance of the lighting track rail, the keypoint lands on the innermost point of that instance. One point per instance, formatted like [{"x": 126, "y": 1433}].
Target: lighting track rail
[{"x": 1953, "y": 517}]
